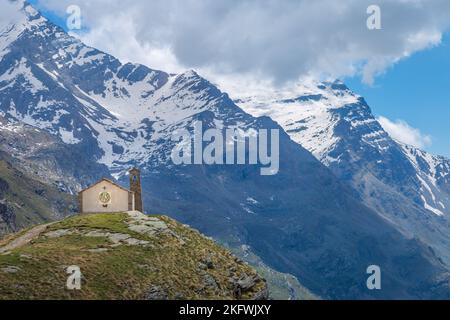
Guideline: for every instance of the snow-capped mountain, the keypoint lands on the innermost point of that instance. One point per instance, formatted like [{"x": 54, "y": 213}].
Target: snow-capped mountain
[
  {"x": 29, "y": 192},
  {"x": 302, "y": 221},
  {"x": 407, "y": 186},
  {"x": 69, "y": 86},
  {"x": 85, "y": 96},
  {"x": 433, "y": 173},
  {"x": 47, "y": 158}
]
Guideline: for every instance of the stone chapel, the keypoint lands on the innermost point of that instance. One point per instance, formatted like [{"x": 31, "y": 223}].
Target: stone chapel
[{"x": 106, "y": 196}]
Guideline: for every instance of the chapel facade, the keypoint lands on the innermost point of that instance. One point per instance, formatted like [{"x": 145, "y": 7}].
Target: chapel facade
[{"x": 106, "y": 196}]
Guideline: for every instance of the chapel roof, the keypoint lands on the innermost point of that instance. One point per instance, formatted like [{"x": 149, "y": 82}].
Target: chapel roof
[{"x": 107, "y": 180}]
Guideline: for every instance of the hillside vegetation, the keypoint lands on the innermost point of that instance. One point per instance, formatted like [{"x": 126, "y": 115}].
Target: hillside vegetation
[{"x": 122, "y": 256}]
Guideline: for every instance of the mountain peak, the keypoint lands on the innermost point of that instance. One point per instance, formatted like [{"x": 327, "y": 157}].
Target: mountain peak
[
  {"x": 336, "y": 85},
  {"x": 22, "y": 17},
  {"x": 21, "y": 11},
  {"x": 191, "y": 73}
]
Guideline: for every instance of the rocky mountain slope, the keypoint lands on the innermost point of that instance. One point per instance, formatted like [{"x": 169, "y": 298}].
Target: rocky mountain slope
[
  {"x": 406, "y": 186},
  {"x": 26, "y": 201},
  {"x": 282, "y": 286},
  {"x": 39, "y": 175},
  {"x": 123, "y": 256},
  {"x": 47, "y": 158},
  {"x": 303, "y": 221},
  {"x": 433, "y": 172}
]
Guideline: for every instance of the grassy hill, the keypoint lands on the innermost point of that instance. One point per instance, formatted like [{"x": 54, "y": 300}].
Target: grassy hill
[{"x": 122, "y": 256}]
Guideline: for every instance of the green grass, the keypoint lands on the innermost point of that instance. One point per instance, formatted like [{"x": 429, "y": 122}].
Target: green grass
[{"x": 112, "y": 222}]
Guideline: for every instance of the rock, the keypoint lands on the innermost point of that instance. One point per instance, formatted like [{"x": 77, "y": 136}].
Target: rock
[
  {"x": 202, "y": 266},
  {"x": 59, "y": 233},
  {"x": 136, "y": 242},
  {"x": 143, "y": 224},
  {"x": 10, "y": 269},
  {"x": 210, "y": 282},
  {"x": 98, "y": 250},
  {"x": 179, "y": 296},
  {"x": 156, "y": 293},
  {"x": 207, "y": 261},
  {"x": 247, "y": 283},
  {"x": 262, "y": 295},
  {"x": 237, "y": 260},
  {"x": 117, "y": 238},
  {"x": 97, "y": 234}
]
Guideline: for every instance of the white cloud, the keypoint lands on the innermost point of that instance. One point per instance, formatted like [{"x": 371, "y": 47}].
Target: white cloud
[
  {"x": 277, "y": 40},
  {"x": 403, "y": 132},
  {"x": 9, "y": 13},
  {"x": 118, "y": 36}
]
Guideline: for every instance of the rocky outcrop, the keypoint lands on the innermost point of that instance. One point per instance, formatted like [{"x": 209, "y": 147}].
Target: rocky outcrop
[
  {"x": 248, "y": 283},
  {"x": 7, "y": 217},
  {"x": 156, "y": 293}
]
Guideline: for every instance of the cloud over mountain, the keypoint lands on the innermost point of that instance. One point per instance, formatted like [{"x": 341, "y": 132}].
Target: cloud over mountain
[
  {"x": 403, "y": 132},
  {"x": 8, "y": 13},
  {"x": 280, "y": 40}
]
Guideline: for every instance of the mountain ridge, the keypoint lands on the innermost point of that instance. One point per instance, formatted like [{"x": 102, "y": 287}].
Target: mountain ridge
[{"x": 405, "y": 185}]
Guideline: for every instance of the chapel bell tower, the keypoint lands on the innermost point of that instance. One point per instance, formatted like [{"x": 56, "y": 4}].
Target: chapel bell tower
[{"x": 135, "y": 186}]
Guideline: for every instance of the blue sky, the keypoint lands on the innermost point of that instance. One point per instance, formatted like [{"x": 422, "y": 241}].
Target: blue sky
[
  {"x": 415, "y": 90},
  {"x": 59, "y": 20}
]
